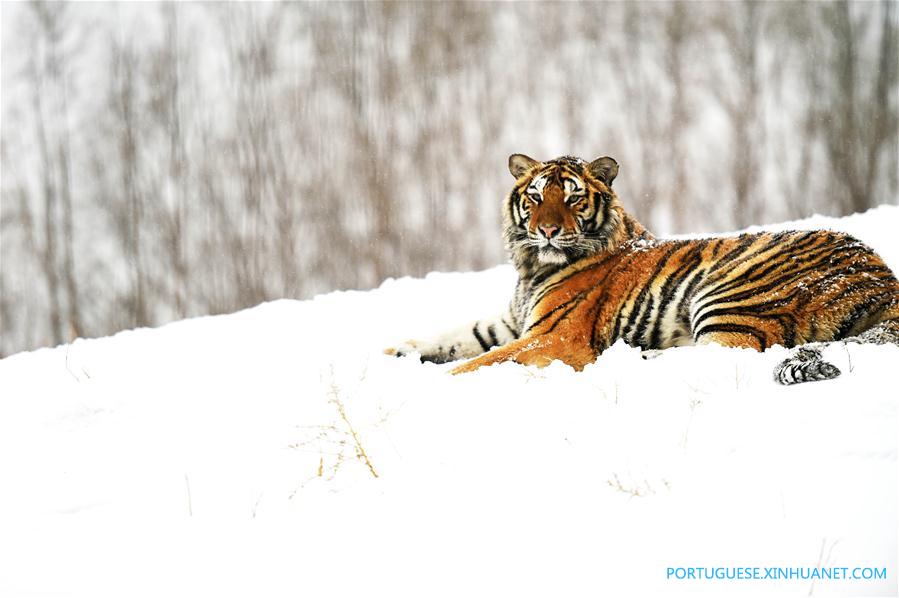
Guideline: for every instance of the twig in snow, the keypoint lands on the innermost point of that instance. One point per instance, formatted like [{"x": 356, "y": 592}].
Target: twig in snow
[
  {"x": 848, "y": 355},
  {"x": 360, "y": 450},
  {"x": 339, "y": 441},
  {"x": 823, "y": 561},
  {"x": 190, "y": 506},
  {"x": 68, "y": 369},
  {"x": 533, "y": 375},
  {"x": 634, "y": 492},
  {"x": 694, "y": 403}
]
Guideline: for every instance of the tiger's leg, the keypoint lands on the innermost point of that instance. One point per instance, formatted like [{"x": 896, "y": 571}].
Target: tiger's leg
[
  {"x": 882, "y": 333},
  {"x": 535, "y": 350},
  {"x": 463, "y": 342},
  {"x": 807, "y": 365}
]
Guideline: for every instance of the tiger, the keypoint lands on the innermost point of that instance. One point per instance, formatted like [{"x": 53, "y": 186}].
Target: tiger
[{"x": 590, "y": 274}]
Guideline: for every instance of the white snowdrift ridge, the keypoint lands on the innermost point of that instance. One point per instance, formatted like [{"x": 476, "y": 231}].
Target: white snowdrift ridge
[{"x": 277, "y": 452}]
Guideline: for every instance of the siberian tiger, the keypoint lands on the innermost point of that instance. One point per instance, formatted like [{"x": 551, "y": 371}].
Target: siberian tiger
[{"x": 590, "y": 274}]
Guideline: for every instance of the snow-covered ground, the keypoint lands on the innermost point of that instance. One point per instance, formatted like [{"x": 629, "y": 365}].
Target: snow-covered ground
[{"x": 278, "y": 452}]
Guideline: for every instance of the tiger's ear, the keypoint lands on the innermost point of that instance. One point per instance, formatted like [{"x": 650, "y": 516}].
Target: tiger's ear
[
  {"x": 605, "y": 169},
  {"x": 520, "y": 164}
]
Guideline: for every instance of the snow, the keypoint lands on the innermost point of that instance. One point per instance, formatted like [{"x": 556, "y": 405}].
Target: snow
[{"x": 277, "y": 452}]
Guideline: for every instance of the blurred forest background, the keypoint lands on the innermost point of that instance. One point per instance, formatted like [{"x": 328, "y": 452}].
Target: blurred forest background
[{"x": 161, "y": 160}]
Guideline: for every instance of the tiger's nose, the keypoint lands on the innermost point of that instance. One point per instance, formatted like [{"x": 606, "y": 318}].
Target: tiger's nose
[{"x": 549, "y": 231}]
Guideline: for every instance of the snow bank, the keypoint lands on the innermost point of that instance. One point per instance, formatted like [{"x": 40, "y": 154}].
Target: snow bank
[{"x": 277, "y": 452}]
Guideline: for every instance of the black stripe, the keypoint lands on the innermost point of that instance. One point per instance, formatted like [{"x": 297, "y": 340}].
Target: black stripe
[
  {"x": 606, "y": 209},
  {"x": 644, "y": 321},
  {"x": 481, "y": 340},
  {"x": 513, "y": 201},
  {"x": 541, "y": 277},
  {"x": 491, "y": 332},
  {"x": 629, "y": 227},
  {"x": 616, "y": 331},
  {"x": 597, "y": 308},
  {"x": 683, "y": 307},
  {"x": 718, "y": 244},
  {"x": 512, "y": 330}
]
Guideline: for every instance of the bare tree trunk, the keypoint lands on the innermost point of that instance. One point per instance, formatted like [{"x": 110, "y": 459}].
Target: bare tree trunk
[
  {"x": 176, "y": 163},
  {"x": 68, "y": 242},
  {"x": 741, "y": 99},
  {"x": 676, "y": 30},
  {"x": 48, "y": 257},
  {"x": 177, "y": 221},
  {"x": 637, "y": 88},
  {"x": 65, "y": 187},
  {"x": 883, "y": 124},
  {"x": 860, "y": 130},
  {"x": 842, "y": 145},
  {"x": 124, "y": 99}
]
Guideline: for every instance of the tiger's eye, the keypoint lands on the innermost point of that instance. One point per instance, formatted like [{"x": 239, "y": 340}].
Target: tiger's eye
[{"x": 534, "y": 197}]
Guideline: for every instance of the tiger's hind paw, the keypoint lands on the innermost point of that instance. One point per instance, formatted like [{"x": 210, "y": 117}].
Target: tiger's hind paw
[{"x": 806, "y": 365}]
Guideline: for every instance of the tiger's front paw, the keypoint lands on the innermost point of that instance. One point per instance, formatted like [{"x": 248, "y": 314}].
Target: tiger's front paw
[
  {"x": 402, "y": 349},
  {"x": 426, "y": 351},
  {"x": 651, "y": 353}
]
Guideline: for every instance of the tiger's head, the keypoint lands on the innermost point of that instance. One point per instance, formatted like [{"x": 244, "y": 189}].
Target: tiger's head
[{"x": 563, "y": 210}]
